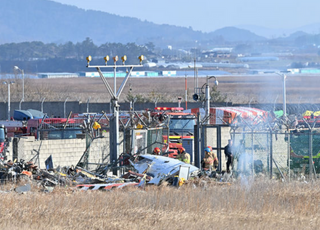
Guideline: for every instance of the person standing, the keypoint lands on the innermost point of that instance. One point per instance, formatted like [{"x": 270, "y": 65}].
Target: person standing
[
  {"x": 214, "y": 156},
  {"x": 215, "y": 159},
  {"x": 183, "y": 155},
  {"x": 207, "y": 161},
  {"x": 228, "y": 151}
]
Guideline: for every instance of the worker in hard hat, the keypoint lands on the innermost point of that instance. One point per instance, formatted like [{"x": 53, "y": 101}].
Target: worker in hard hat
[
  {"x": 156, "y": 151},
  {"x": 183, "y": 155},
  {"x": 215, "y": 158},
  {"x": 207, "y": 161}
]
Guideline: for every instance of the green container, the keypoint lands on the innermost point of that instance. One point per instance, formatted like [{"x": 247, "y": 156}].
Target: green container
[{"x": 299, "y": 143}]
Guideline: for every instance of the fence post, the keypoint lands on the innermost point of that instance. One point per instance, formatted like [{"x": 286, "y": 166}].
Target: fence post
[
  {"x": 64, "y": 107},
  {"x": 219, "y": 147},
  {"x": 271, "y": 153},
  {"x": 88, "y": 101},
  {"x": 252, "y": 150},
  {"x": 310, "y": 155},
  {"x": 289, "y": 155},
  {"x": 197, "y": 141}
]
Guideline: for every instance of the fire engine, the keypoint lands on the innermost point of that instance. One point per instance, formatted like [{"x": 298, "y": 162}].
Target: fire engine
[
  {"x": 14, "y": 128},
  {"x": 178, "y": 125},
  {"x": 54, "y": 128},
  {"x": 48, "y": 128}
]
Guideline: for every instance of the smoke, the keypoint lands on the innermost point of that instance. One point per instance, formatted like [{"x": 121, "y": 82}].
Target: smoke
[
  {"x": 245, "y": 161},
  {"x": 245, "y": 170}
]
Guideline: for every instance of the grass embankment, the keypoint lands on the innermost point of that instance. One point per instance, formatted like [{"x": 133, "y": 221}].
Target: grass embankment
[{"x": 262, "y": 205}]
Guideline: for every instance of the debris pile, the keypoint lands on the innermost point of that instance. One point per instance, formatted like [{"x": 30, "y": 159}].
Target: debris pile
[{"x": 145, "y": 170}]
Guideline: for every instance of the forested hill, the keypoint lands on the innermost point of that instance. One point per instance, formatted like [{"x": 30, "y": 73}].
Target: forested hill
[{"x": 48, "y": 21}]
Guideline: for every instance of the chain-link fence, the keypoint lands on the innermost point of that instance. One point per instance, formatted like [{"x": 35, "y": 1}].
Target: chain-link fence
[{"x": 278, "y": 152}]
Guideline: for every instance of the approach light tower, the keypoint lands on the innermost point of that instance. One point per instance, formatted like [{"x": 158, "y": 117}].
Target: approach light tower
[{"x": 115, "y": 95}]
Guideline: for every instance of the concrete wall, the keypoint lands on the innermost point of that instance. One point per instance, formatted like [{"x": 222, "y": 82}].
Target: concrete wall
[{"x": 65, "y": 152}]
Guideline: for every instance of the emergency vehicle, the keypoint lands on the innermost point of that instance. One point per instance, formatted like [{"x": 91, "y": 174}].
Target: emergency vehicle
[
  {"x": 48, "y": 128},
  {"x": 54, "y": 128},
  {"x": 14, "y": 128},
  {"x": 178, "y": 125}
]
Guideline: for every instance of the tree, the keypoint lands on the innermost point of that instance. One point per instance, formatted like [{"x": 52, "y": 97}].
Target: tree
[
  {"x": 150, "y": 46},
  {"x": 216, "y": 96}
]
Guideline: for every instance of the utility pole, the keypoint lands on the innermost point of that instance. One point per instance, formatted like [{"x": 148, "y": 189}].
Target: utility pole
[
  {"x": 284, "y": 106},
  {"x": 186, "y": 91},
  {"x": 208, "y": 97},
  {"x": 8, "y": 83}
]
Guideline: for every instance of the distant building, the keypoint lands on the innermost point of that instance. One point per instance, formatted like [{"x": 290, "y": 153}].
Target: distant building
[
  {"x": 105, "y": 74},
  {"x": 256, "y": 59},
  {"x": 309, "y": 70},
  {"x": 133, "y": 74},
  {"x": 57, "y": 75},
  {"x": 218, "y": 52},
  {"x": 168, "y": 73}
]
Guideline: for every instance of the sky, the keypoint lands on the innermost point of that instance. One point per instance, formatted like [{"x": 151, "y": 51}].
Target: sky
[{"x": 209, "y": 15}]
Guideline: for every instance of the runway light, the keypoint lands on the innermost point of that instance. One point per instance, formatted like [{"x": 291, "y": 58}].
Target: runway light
[
  {"x": 106, "y": 59},
  {"x": 141, "y": 58},
  {"x": 89, "y": 59},
  {"x": 124, "y": 58}
]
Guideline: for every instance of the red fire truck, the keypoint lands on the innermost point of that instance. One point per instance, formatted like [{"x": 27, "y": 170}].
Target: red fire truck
[
  {"x": 48, "y": 128},
  {"x": 54, "y": 128},
  {"x": 178, "y": 125}
]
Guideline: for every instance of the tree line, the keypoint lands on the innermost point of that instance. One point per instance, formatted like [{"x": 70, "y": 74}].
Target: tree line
[{"x": 37, "y": 56}]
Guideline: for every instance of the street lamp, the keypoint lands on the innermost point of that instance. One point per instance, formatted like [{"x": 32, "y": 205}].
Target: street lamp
[
  {"x": 8, "y": 83},
  {"x": 22, "y": 72},
  {"x": 64, "y": 107},
  {"x": 42, "y": 103},
  {"x": 284, "y": 107}
]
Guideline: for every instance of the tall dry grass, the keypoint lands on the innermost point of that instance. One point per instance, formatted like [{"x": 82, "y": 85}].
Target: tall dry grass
[
  {"x": 237, "y": 88},
  {"x": 260, "y": 205}
]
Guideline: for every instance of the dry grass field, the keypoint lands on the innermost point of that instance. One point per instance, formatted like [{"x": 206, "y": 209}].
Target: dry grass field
[
  {"x": 237, "y": 88},
  {"x": 260, "y": 205}
]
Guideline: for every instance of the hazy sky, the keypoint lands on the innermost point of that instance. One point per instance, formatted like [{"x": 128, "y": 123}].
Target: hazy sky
[{"x": 209, "y": 15}]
